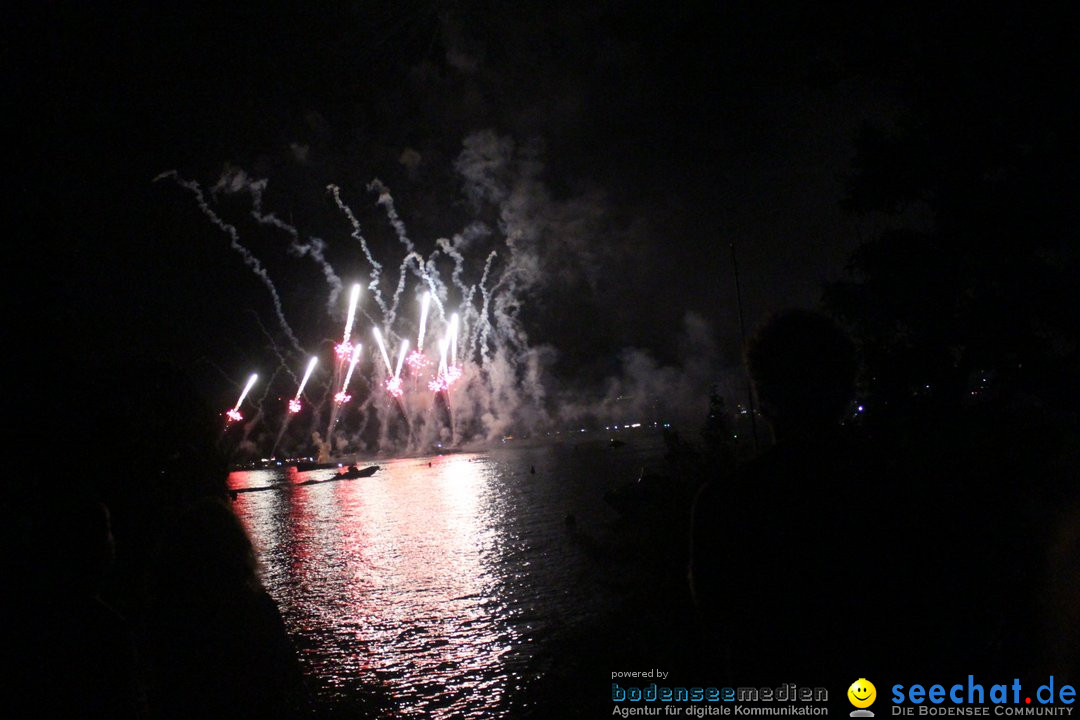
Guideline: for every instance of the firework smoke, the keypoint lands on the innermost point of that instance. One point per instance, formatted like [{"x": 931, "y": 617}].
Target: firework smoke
[
  {"x": 376, "y": 268},
  {"x": 234, "y": 238},
  {"x": 235, "y": 180},
  {"x": 488, "y": 274}
]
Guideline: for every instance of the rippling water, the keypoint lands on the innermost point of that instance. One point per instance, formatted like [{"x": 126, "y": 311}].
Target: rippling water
[{"x": 438, "y": 580}]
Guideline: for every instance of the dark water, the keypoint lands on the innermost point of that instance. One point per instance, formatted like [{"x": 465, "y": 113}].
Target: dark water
[{"x": 437, "y": 587}]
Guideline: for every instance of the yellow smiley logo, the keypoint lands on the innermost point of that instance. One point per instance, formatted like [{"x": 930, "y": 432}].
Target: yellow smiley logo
[{"x": 862, "y": 693}]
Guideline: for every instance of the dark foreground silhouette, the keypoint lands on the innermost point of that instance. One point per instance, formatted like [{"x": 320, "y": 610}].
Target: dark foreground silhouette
[
  {"x": 782, "y": 558},
  {"x": 840, "y": 554},
  {"x": 72, "y": 654},
  {"x": 216, "y": 644}
]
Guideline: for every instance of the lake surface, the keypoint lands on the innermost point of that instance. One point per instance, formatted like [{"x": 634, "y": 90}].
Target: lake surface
[{"x": 437, "y": 583}]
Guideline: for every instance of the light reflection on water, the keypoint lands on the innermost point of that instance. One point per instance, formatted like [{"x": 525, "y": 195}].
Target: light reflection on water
[{"x": 438, "y": 583}]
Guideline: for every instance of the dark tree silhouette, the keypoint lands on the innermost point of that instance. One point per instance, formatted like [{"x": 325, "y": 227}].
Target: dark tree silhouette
[{"x": 985, "y": 151}]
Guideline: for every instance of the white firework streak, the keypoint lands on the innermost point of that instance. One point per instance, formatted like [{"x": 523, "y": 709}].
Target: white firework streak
[
  {"x": 352, "y": 366},
  {"x": 472, "y": 321},
  {"x": 234, "y": 237},
  {"x": 412, "y": 257},
  {"x": 387, "y": 201},
  {"x": 443, "y": 344},
  {"x": 467, "y": 293},
  {"x": 421, "y": 268},
  {"x": 354, "y": 297},
  {"x": 313, "y": 248},
  {"x": 435, "y": 285},
  {"x": 247, "y": 389},
  {"x": 376, "y": 268},
  {"x": 307, "y": 374},
  {"x": 453, "y": 340},
  {"x": 483, "y": 329},
  {"x": 424, "y": 304},
  {"x": 401, "y": 357},
  {"x": 470, "y": 318},
  {"x": 459, "y": 264},
  {"x": 382, "y": 349}
]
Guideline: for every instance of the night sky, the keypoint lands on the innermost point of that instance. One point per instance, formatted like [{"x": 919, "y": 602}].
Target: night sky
[{"x": 658, "y": 134}]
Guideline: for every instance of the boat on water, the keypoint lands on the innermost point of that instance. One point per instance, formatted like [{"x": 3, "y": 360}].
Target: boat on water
[
  {"x": 354, "y": 472},
  {"x": 351, "y": 474}
]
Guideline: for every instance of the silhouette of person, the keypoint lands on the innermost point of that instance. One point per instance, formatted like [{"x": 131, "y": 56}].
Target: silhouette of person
[
  {"x": 781, "y": 558},
  {"x": 217, "y": 643},
  {"x": 75, "y": 654}
]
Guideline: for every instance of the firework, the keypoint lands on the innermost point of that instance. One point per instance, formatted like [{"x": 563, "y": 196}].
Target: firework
[
  {"x": 352, "y": 364},
  {"x": 393, "y": 383},
  {"x": 234, "y": 237},
  {"x": 445, "y": 379},
  {"x": 447, "y": 375},
  {"x": 482, "y": 320},
  {"x": 343, "y": 397},
  {"x": 234, "y": 414},
  {"x": 294, "y": 404},
  {"x": 382, "y": 349},
  {"x": 401, "y": 357},
  {"x": 353, "y": 298},
  {"x": 344, "y": 349},
  {"x": 453, "y": 338},
  {"x": 416, "y": 361},
  {"x": 424, "y": 304}
]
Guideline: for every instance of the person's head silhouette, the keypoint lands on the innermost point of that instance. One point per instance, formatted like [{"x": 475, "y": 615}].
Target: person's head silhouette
[
  {"x": 205, "y": 556},
  {"x": 803, "y": 369}
]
